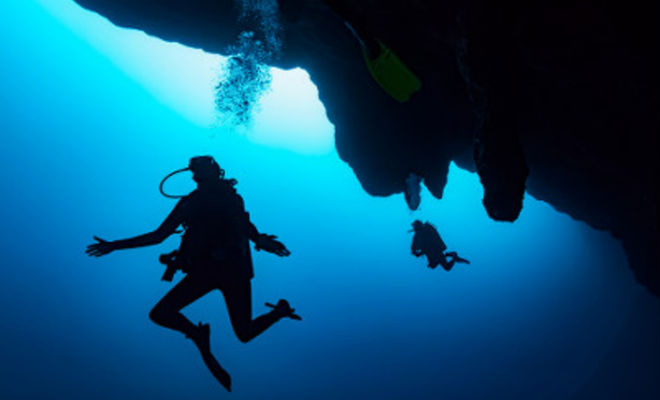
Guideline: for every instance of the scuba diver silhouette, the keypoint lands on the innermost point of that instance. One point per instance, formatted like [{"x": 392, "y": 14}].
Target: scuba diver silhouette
[
  {"x": 214, "y": 253},
  {"x": 427, "y": 241}
]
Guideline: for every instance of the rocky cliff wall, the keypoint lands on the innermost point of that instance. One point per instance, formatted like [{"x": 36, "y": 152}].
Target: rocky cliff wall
[{"x": 558, "y": 100}]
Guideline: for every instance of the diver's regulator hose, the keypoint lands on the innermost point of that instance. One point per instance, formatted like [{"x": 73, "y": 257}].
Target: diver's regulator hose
[{"x": 160, "y": 187}]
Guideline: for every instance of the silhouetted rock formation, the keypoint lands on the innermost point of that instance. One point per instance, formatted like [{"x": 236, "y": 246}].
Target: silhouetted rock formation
[{"x": 562, "y": 99}]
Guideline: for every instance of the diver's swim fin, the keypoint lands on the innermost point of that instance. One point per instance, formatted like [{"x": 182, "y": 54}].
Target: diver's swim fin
[
  {"x": 456, "y": 257},
  {"x": 392, "y": 74},
  {"x": 386, "y": 68},
  {"x": 216, "y": 369},
  {"x": 462, "y": 260},
  {"x": 283, "y": 306},
  {"x": 203, "y": 344}
]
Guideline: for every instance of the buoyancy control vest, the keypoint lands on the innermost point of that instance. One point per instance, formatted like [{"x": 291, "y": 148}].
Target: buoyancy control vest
[
  {"x": 428, "y": 240},
  {"x": 216, "y": 231}
]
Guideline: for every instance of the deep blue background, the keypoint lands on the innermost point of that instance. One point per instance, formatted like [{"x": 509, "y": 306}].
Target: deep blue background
[{"x": 548, "y": 309}]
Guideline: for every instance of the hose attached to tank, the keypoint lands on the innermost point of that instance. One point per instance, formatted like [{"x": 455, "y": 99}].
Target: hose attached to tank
[{"x": 160, "y": 187}]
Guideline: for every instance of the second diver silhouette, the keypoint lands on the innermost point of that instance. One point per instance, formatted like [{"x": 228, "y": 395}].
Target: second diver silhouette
[
  {"x": 427, "y": 241},
  {"x": 214, "y": 254}
]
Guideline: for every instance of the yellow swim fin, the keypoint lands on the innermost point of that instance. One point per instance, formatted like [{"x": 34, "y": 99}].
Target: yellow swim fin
[{"x": 392, "y": 74}]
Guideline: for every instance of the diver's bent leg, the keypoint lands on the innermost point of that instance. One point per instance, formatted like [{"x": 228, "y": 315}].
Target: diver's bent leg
[
  {"x": 238, "y": 297},
  {"x": 166, "y": 312},
  {"x": 448, "y": 265}
]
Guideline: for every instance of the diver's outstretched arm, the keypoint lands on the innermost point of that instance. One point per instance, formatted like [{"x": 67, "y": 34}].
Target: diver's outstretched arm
[
  {"x": 147, "y": 239},
  {"x": 100, "y": 248},
  {"x": 103, "y": 247},
  {"x": 168, "y": 227},
  {"x": 270, "y": 244},
  {"x": 266, "y": 242}
]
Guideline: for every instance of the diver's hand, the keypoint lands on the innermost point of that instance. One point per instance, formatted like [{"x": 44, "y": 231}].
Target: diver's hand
[
  {"x": 101, "y": 248},
  {"x": 271, "y": 245}
]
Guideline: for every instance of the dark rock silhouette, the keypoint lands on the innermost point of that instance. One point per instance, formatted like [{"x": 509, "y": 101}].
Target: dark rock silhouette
[{"x": 557, "y": 100}]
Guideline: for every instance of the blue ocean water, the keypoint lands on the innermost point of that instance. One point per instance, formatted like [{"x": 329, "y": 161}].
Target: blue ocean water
[{"x": 94, "y": 116}]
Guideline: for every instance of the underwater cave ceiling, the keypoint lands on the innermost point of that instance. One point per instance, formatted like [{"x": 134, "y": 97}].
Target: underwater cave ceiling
[{"x": 558, "y": 100}]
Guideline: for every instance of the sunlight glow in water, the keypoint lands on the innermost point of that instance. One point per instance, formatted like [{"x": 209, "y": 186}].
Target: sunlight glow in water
[{"x": 289, "y": 116}]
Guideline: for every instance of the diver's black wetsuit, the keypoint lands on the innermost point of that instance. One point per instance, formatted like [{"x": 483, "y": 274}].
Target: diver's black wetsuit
[{"x": 216, "y": 255}]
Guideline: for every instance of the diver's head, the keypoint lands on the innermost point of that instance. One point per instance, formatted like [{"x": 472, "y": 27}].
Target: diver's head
[
  {"x": 417, "y": 225},
  {"x": 205, "y": 169}
]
